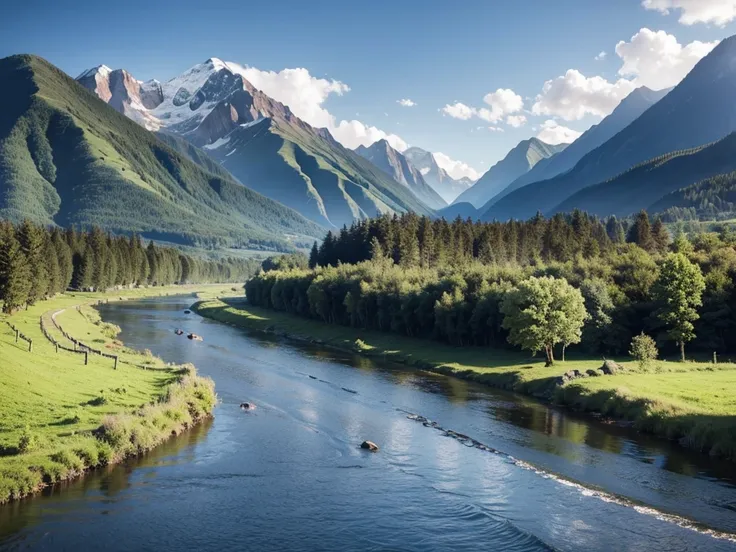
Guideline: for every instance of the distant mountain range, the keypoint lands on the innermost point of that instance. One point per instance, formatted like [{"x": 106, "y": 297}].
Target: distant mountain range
[
  {"x": 68, "y": 158},
  {"x": 259, "y": 141},
  {"x": 699, "y": 110},
  {"x": 625, "y": 113},
  {"x": 389, "y": 160},
  {"x": 519, "y": 161},
  {"x": 448, "y": 187}
]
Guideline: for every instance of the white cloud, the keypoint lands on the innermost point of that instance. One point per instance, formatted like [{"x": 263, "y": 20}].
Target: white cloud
[
  {"x": 352, "y": 134},
  {"x": 718, "y": 12},
  {"x": 657, "y": 60},
  {"x": 406, "y": 102},
  {"x": 554, "y": 133},
  {"x": 495, "y": 129},
  {"x": 573, "y": 95},
  {"x": 458, "y": 110},
  {"x": 303, "y": 93},
  {"x": 601, "y": 56},
  {"x": 305, "y": 96},
  {"x": 456, "y": 169},
  {"x": 503, "y": 101},
  {"x": 516, "y": 121}
]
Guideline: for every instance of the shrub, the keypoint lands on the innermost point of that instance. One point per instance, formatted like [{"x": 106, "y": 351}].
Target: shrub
[
  {"x": 28, "y": 441},
  {"x": 643, "y": 349}
]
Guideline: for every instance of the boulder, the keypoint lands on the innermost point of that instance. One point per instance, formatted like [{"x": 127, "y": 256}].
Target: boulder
[
  {"x": 247, "y": 406},
  {"x": 609, "y": 367},
  {"x": 187, "y": 311},
  {"x": 369, "y": 445},
  {"x": 593, "y": 373},
  {"x": 195, "y": 337}
]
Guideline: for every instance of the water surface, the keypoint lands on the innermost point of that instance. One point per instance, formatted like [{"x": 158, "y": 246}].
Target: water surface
[{"x": 290, "y": 475}]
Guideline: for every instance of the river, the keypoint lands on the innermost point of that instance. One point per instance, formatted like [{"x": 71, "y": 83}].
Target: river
[{"x": 290, "y": 475}]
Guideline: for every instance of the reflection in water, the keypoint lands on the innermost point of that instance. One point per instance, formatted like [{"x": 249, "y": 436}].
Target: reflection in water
[
  {"x": 291, "y": 475},
  {"x": 103, "y": 483}
]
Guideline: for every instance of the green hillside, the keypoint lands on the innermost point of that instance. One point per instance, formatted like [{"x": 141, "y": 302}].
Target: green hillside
[
  {"x": 308, "y": 171},
  {"x": 66, "y": 158},
  {"x": 711, "y": 199},
  {"x": 646, "y": 183}
]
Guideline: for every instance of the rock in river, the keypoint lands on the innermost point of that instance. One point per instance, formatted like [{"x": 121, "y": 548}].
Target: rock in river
[{"x": 369, "y": 445}]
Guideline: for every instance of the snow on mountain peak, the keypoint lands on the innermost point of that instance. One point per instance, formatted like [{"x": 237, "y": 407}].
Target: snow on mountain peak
[{"x": 103, "y": 70}]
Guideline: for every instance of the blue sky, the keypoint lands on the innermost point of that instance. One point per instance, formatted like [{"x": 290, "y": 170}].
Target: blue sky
[{"x": 431, "y": 52}]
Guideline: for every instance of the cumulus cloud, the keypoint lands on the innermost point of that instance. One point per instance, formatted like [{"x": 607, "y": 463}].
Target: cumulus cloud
[
  {"x": 553, "y": 133},
  {"x": 458, "y": 110},
  {"x": 516, "y": 121},
  {"x": 305, "y": 96},
  {"x": 718, "y": 12},
  {"x": 406, "y": 102},
  {"x": 657, "y": 60},
  {"x": 650, "y": 58},
  {"x": 303, "y": 93},
  {"x": 502, "y": 102},
  {"x": 573, "y": 95},
  {"x": 456, "y": 169},
  {"x": 601, "y": 56},
  {"x": 495, "y": 129}
]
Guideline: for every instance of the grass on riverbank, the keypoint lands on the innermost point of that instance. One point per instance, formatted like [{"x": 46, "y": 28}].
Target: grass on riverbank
[
  {"x": 59, "y": 417},
  {"x": 694, "y": 402}
]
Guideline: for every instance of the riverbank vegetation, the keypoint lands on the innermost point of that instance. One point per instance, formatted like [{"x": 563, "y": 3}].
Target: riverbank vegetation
[
  {"x": 691, "y": 402},
  {"x": 571, "y": 283},
  {"x": 60, "y": 416}
]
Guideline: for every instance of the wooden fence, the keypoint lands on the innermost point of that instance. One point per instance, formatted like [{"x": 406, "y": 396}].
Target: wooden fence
[{"x": 19, "y": 335}]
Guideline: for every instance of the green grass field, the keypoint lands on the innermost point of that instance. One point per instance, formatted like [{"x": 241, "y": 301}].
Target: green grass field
[
  {"x": 50, "y": 403},
  {"x": 693, "y": 402}
]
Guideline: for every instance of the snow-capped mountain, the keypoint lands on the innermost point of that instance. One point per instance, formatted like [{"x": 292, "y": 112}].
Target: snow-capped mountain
[
  {"x": 258, "y": 140},
  {"x": 436, "y": 176}
]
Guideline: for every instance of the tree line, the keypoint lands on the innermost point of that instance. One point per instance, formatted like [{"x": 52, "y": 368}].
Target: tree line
[
  {"x": 370, "y": 276},
  {"x": 411, "y": 240},
  {"x": 37, "y": 262}
]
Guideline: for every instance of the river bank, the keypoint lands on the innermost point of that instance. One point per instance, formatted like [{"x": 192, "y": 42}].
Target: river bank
[
  {"x": 63, "y": 413},
  {"x": 690, "y": 402}
]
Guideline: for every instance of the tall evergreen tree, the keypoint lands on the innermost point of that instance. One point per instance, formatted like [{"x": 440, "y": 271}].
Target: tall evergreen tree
[
  {"x": 15, "y": 271},
  {"x": 32, "y": 242}
]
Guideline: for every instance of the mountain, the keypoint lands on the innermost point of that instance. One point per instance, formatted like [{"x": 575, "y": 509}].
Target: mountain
[
  {"x": 462, "y": 210},
  {"x": 645, "y": 184},
  {"x": 697, "y": 111},
  {"x": 386, "y": 158},
  {"x": 266, "y": 147},
  {"x": 518, "y": 161},
  {"x": 68, "y": 158},
  {"x": 631, "y": 107},
  {"x": 448, "y": 187}
]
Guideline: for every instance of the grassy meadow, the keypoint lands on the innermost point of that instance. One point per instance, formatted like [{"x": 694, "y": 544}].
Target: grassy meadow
[
  {"x": 693, "y": 402},
  {"x": 59, "y": 417}
]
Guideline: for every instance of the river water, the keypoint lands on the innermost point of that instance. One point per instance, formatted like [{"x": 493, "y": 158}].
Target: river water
[{"x": 291, "y": 476}]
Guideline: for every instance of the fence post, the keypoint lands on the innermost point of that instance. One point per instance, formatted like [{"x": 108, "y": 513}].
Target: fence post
[
  {"x": 57, "y": 346},
  {"x": 30, "y": 345},
  {"x": 86, "y": 353},
  {"x": 17, "y": 331},
  {"x": 116, "y": 363}
]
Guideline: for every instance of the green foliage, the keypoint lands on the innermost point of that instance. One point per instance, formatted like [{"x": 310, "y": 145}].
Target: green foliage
[
  {"x": 542, "y": 312},
  {"x": 285, "y": 262},
  {"x": 643, "y": 349},
  {"x": 29, "y": 441},
  {"x": 679, "y": 290}
]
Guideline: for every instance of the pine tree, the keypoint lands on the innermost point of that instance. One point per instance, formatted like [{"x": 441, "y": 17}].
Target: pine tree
[
  {"x": 15, "y": 272},
  {"x": 52, "y": 268},
  {"x": 640, "y": 232},
  {"x": 31, "y": 239},
  {"x": 314, "y": 255},
  {"x": 660, "y": 236}
]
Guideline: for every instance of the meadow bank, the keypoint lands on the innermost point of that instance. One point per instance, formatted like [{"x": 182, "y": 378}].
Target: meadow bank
[
  {"x": 691, "y": 402},
  {"x": 60, "y": 416}
]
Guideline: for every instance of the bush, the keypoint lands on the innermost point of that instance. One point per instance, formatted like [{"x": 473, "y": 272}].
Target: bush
[
  {"x": 643, "y": 349},
  {"x": 28, "y": 441}
]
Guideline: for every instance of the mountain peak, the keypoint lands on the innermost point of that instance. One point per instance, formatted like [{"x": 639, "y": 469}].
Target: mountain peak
[{"x": 102, "y": 70}]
